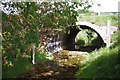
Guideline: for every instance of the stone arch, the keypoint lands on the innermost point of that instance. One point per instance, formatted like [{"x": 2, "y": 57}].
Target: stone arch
[{"x": 68, "y": 39}]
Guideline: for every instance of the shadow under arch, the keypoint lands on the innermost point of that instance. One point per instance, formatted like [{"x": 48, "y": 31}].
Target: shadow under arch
[{"x": 68, "y": 39}]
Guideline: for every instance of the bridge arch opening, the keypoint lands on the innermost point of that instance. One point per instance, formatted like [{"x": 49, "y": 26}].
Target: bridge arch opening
[
  {"x": 67, "y": 40},
  {"x": 70, "y": 41},
  {"x": 87, "y": 40}
]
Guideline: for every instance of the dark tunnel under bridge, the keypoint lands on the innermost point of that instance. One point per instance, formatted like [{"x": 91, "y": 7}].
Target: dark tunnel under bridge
[{"x": 67, "y": 40}]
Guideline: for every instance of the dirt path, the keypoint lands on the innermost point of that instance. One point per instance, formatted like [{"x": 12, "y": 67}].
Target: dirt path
[{"x": 50, "y": 70}]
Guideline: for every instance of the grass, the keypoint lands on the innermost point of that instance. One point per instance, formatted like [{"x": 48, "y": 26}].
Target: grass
[
  {"x": 100, "y": 20},
  {"x": 104, "y": 66},
  {"x": 20, "y": 66},
  {"x": 103, "y": 63}
]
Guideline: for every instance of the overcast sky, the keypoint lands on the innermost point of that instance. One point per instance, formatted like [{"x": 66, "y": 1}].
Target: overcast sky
[{"x": 106, "y": 6}]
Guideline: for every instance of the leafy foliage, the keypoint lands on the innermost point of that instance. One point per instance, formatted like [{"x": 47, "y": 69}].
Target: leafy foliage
[
  {"x": 58, "y": 14},
  {"x": 23, "y": 21},
  {"x": 22, "y": 30}
]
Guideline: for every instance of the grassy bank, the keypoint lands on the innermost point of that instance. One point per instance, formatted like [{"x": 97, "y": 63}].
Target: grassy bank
[
  {"x": 103, "y": 63},
  {"x": 100, "y": 20}
]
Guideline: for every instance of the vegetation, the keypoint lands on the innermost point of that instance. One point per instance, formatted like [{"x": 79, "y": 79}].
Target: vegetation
[
  {"x": 100, "y": 20},
  {"x": 16, "y": 67},
  {"x": 86, "y": 38},
  {"x": 22, "y": 23},
  {"x": 103, "y": 63},
  {"x": 21, "y": 30}
]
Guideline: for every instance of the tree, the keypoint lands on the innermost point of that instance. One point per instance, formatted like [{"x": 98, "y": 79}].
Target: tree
[
  {"x": 24, "y": 20},
  {"x": 22, "y": 30}
]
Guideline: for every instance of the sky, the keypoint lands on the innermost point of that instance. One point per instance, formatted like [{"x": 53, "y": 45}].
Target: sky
[{"x": 106, "y": 6}]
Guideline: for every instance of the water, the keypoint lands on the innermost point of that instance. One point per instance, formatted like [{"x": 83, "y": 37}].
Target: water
[{"x": 54, "y": 47}]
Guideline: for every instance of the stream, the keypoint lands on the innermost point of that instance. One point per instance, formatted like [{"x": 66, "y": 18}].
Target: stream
[
  {"x": 50, "y": 70},
  {"x": 63, "y": 66}
]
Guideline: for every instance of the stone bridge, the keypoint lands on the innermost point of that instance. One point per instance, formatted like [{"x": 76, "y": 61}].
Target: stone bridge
[
  {"x": 101, "y": 30},
  {"x": 66, "y": 41}
]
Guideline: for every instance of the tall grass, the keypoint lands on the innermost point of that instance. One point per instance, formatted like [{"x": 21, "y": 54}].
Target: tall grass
[{"x": 103, "y": 63}]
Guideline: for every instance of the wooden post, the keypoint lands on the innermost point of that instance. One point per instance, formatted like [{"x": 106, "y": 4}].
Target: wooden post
[
  {"x": 33, "y": 54},
  {"x": 108, "y": 34}
]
